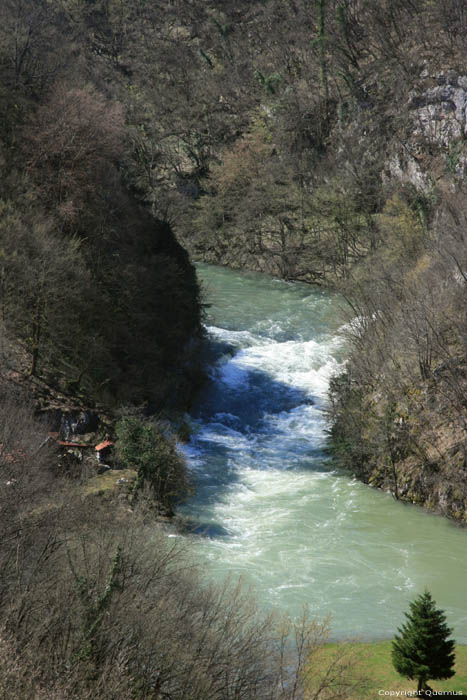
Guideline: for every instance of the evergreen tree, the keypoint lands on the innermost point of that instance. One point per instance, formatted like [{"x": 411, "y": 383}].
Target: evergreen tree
[{"x": 422, "y": 649}]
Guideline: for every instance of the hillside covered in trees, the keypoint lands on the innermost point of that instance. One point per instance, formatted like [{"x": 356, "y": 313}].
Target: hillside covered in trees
[
  {"x": 318, "y": 141},
  {"x": 98, "y": 299},
  {"x": 315, "y": 140},
  {"x": 325, "y": 142}
]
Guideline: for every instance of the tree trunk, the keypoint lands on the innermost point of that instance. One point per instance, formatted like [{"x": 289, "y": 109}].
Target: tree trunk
[
  {"x": 322, "y": 51},
  {"x": 36, "y": 337}
]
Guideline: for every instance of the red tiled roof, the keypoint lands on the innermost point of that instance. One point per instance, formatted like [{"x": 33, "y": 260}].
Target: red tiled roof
[{"x": 103, "y": 445}]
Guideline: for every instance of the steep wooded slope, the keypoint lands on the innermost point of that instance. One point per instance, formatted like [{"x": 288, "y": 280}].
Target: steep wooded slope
[{"x": 98, "y": 298}]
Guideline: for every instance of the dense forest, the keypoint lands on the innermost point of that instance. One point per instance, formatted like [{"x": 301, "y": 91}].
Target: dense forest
[
  {"x": 316, "y": 140},
  {"x": 325, "y": 142},
  {"x": 98, "y": 297}
]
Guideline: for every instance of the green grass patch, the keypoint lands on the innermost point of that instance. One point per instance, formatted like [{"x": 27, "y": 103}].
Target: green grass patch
[
  {"x": 108, "y": 481},
  {"x": 371, "y": 661}
]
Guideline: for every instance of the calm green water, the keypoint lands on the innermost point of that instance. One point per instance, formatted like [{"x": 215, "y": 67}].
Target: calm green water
[{"x": 269, "y": 505}]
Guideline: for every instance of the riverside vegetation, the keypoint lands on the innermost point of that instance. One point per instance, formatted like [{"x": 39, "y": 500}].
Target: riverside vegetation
[
  {"x": 348, "y": 170},
  {"x": 97, "y": 602},
  {"x": 319, "y": 141},
  {"x": 422, "y": 649},
  {"x": 100, "y": 310},
  {"x": 323, "y": 141}
]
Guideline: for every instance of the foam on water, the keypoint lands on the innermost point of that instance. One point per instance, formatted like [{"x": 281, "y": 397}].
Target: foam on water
[{"x": 268, "y": 504}]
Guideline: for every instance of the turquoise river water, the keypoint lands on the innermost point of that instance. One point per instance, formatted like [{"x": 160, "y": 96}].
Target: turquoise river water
[{"x": 269, "y": 505}]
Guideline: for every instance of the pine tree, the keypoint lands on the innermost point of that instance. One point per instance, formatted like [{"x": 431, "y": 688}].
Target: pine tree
[{"x": 422, "y": 649}]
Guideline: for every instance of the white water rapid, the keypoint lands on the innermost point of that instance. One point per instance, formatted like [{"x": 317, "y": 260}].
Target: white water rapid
[{"x": 269, "y": 506}]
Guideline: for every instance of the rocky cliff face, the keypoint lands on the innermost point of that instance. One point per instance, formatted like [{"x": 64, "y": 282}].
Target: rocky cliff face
[
  {"x": 440, "y": 110},
  {"x": 436, "y": 127}
]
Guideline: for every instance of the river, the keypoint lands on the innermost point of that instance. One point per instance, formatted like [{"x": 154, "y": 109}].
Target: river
[{"x": 269, "y": 505}]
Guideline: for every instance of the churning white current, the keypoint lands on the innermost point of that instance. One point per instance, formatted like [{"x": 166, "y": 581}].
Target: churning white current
[{"x": 269, "y": 505}]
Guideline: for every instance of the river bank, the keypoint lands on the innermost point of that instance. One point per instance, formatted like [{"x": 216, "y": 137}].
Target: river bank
[{"x": 373, "y": 662}]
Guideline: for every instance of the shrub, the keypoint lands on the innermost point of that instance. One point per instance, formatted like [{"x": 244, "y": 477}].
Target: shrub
[{"x": 144, "y": 446}]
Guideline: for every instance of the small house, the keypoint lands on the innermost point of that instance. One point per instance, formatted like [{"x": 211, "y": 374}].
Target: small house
[{"x": 104, "y": 451}]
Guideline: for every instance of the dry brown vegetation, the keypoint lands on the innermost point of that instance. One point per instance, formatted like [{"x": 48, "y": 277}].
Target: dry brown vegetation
[
  {"x": 94, "y": 287},
  {"x": 97, "y": 601},
  {"x": 399, "y": 411},
  {"x": 265, "y": 133}
]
